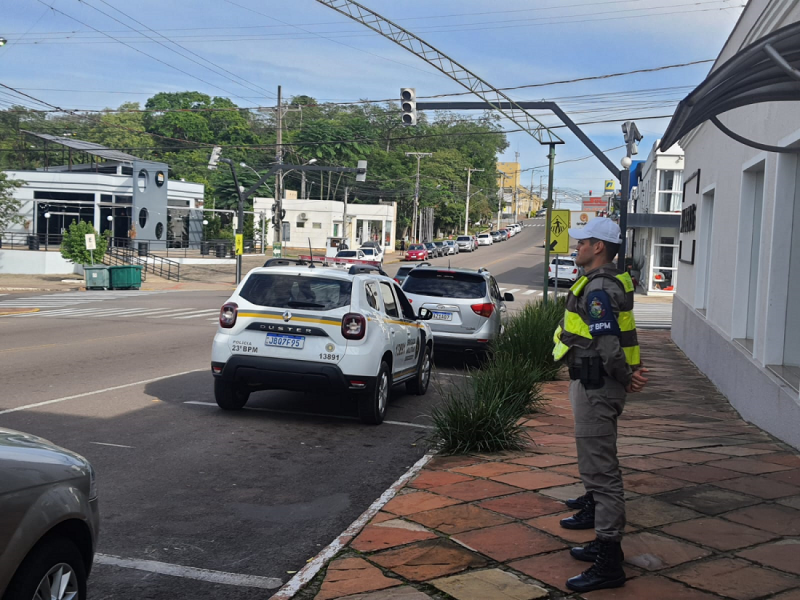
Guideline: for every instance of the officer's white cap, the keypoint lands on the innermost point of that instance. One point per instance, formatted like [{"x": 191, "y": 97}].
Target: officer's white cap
[{"x": 599, "y": 228}]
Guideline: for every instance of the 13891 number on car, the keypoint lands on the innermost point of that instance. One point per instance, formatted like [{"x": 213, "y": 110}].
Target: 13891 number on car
[{"x": 327, "y": 356}]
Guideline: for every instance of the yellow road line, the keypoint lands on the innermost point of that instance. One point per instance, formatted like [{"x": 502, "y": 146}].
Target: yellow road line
[{"x": 21, "y": 311}]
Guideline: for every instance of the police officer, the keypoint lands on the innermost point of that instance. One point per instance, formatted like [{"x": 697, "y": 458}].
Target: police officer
[{"x": 597, "y": 338}]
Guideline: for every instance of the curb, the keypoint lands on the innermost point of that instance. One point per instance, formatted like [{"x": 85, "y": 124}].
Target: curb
[
  {"x": 21, "y": 311},
  {"x": 38, "y": 289},
  {"x": 313, "y": 566}
]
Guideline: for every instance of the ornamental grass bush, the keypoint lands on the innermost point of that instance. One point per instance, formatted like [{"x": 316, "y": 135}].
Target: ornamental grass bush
[{"x": 482, "y": 412}]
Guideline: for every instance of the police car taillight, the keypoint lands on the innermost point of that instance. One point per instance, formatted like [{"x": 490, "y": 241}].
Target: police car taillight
[
  {"x": 228, "y": 314},
  {"x": 354, "y": 326}
]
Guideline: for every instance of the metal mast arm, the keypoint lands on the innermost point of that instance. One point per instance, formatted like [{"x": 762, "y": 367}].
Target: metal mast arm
[{"x": 446, "y": 65}]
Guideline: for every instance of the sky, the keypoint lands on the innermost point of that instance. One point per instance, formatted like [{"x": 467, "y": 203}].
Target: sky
[{"x": 94, "y": 54}]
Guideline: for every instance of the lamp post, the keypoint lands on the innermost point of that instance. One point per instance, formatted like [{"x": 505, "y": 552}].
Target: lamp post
[
  {"x": 47, "y": 234},
  {"x": 303, "y": 180}
]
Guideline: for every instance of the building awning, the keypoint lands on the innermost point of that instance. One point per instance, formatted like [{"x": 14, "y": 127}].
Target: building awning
[
  {"x": 764, "y": 71},
  {"x": 83, "y": 146},
  {"x": 653, "y": 220}
]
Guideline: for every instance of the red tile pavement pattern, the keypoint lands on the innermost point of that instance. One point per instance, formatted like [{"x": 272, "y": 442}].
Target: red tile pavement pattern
[{"x": 713, "y": 507}]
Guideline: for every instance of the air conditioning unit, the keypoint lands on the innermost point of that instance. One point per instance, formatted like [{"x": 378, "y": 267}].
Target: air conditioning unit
[{"x": 302, "y": 217}]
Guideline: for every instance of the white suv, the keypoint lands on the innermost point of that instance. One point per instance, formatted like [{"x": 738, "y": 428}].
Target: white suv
[{"x": 294, "y": 326}]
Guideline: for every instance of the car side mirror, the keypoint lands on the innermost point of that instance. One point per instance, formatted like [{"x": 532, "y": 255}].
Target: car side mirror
[
  {"x": 508, "y": 297},
  {"x": 424, "y": 315}
]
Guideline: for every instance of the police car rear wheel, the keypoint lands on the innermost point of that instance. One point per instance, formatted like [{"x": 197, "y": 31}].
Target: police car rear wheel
[
  {"x": 372, "y": 405},
  {"x": 230, "y": 396},
  {"x": 419, "y": 385}
]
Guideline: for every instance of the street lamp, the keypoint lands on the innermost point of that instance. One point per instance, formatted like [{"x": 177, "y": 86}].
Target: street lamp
[
  {"x": 3, "y": 41},
  {"x": 47, "y": 219},
  {"x": 303, "y": 180}
]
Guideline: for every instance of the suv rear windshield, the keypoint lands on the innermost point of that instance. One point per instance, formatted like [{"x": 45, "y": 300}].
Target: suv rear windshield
[
  {"x": 444, "y": 284},
  {"x": 464, "y": 238},
  {"x": 296, "y": 291},
  {"x": 568, "y": 262}
]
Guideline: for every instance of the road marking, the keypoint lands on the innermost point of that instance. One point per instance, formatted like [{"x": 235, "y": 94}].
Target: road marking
[
  {"x": 110, "y": 389},
  {"x": 529, "y": 292},
  {"x": 311, "y": 569},
  {"x": 503, "y": 289},
  {"x": 152, "y": 566},
  {"x": 114, "y": 445},
  {"x": 202, "y": 313},
  {"x": 307, "y": 414},
  {"x": 513, "y": 290},
  {"x": 172, "y": 312}
]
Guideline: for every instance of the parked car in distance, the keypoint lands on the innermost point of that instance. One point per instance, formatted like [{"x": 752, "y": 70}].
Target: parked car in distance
[
  {"x": 465, "y": 243},
  {"x": 371, "y": 253},
  {"x": 320, "y": 330},
  {"x": 441, "y": 247},
  {"x": 568, "y": 271},
  {"x": 417, "y": 252},
  {"x": 433, "y": 249},
  {"x": 451, "y": 247},
  {"x": 372, "y": 244},
  {"x": 352, "y": 254},
  {"x": 485, "y": 239},
  {"x": 467, "y": 306},
  {"x": 496, "y": 236},
  {"x": 49, "y": 519},
  {"x": 505, "y": 234},
  {"x": 402, "y": 272},
  {"x": 541, "y": 212}
]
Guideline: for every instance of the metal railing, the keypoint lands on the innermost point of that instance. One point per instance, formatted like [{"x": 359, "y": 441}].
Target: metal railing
[
  {"x": 40, "y": 241},
  {"x": 157, "y": 265}
]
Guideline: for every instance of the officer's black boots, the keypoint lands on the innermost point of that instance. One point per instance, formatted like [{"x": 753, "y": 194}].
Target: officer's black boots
[
  {"x": 588, "y": 552},
  {"x": 583, "y": 519},
  {"x": 606, "y": 572},
  {"x": 579, "y": 502}
]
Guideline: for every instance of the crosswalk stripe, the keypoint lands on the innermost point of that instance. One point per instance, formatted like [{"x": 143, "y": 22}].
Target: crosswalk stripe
[
  {"x": 529, "y": 292},
  {"x": 175, "y": 312},
  {"x": 511, "y": 291},
  {"x": 199, "y": 314}
]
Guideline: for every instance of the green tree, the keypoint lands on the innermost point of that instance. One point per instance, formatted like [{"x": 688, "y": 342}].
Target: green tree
[
  {"x": 73, "y": 246},
  {"x": 9, "y": 206}
]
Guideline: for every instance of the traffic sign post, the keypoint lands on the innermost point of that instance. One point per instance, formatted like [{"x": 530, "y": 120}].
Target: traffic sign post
[
  {"x": 559, "y": 232},
  {"x": 91, "y": 245},
  {"x": 239, "y": 244},
  {"x": 276, "y": 250}
]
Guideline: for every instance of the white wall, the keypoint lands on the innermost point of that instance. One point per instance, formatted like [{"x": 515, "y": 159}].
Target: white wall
[{"x": 24, "y": 262}]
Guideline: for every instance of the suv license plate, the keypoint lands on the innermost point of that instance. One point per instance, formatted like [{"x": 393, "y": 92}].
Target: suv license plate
[
  {"x": 285, "y": 341},
  {"x": 442, "y": 316}
]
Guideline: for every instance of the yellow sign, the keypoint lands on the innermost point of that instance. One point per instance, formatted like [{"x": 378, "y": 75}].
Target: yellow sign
[
  {"x": 239, "y": 244},
  {"x": 559, "y": 231},
  {"x": 611, "y": 185}
]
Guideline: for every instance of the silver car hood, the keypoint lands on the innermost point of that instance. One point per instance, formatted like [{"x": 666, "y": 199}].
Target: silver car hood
[{"x": 28, "y": 461}]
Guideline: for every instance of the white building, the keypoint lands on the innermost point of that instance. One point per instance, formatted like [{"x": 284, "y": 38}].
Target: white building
[
  {"x": 657, "y": 207},
  {"x": 736, "y": 313},
  {"x": 317, "y": 220}
]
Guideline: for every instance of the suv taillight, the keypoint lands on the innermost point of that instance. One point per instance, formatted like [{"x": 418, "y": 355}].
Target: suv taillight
[
  {"x": 354, "y": 326},
  {"x": 574, "y": 271},
  {"x": 484, "y": 310},
  {"x": 228, "y": 314}
]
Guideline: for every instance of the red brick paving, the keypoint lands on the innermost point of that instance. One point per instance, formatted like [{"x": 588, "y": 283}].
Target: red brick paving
[{"x": 714, "y": 508}]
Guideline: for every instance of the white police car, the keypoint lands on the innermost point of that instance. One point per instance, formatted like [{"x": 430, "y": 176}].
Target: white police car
[{"x": 294, "y": 326}]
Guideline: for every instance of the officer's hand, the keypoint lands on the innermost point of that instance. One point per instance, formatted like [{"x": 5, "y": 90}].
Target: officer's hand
[{"x": 638, "y": 381}]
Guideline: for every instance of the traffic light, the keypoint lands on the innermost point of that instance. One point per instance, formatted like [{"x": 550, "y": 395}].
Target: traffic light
[
  {"x": 361, "y": 174},
  {"x": 631, "y": 134},
  {"x": 408, "y": 102},
  {"x": 214, "y": 160}
]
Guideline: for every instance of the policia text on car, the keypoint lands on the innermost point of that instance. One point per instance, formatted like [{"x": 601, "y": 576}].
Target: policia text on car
[{"x": 597, "y": 338}]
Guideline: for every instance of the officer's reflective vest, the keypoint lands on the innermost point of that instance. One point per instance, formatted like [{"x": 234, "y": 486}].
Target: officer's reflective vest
[{"x": 576, "y": 331}]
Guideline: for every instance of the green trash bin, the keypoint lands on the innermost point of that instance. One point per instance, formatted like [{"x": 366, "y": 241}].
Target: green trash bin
[
  {"x": 126, "y": 277},
  {"x": 97, "y": 277}
]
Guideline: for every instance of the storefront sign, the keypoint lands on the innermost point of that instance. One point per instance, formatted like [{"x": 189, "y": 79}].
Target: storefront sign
[
  {"x": 594, "y": 204},
  {"x": 579, "y": 220},
  {"x": 689, "y": 218}
]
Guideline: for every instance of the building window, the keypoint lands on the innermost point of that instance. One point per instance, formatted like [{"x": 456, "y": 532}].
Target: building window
[
  {"x": 316, "y": 225},
  {"x": 665, "y": 258},
  {"x": 335, "y": 230},
  {"x": 300, "y": 224},
  {"x": 669, "y": 191}
]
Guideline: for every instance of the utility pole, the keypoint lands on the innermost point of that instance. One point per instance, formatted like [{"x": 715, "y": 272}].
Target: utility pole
[
  {"x": 551, "y": 168},
  {"x": 415, "y": 214},
  {"x": 515, "y": 206},
  {"x": 466, "y": 217},
  {"x": 344, "y": 216},
  {"x": 279, "y": 177},
  {"x": 502, "y": 198}
]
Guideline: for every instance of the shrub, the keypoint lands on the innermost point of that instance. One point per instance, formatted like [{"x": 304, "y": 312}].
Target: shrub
[{"x": 73, "y": 245}]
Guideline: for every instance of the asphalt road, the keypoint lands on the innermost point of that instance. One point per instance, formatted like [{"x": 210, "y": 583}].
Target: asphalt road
[{"x": 123, "y": 378}]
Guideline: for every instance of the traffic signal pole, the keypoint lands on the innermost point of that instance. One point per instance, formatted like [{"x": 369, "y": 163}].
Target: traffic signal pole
[{"x": 548, "y": 222}]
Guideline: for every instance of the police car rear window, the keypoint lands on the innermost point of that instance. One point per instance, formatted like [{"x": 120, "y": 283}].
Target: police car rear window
[
  {"x": 444, "y": 284},
  {"x": 296, "y": 291}
]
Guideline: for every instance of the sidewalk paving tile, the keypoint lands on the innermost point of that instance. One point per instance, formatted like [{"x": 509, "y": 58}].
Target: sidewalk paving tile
[
  {"x": 428, "y": 560},
  {"x": 396, "y": 593},
  {"x": 348, "y": 576},
  {"x": 551, "y": 569},
  {"x": 791, "y": 477},
  {"x": 389, "y": 534},
  {"x": 507, "y": 542},
  {"x": 568, "y": 470},
  {"x": 650, "y": 587},
  {"x": 649, "y": 483},
  {"x": 790, "y": 460},
  {"x": 544, "y": 460},
  {"x": 750, "y": 466},
  {"x": 493, "y": 584},
  {"x": 734, "y": 451},
  {"x": 655, "y": 552},
  {"x": 718, "y": 533},
  {"x": 690, "y": 456},
  {"x": 763, "y": 487},
  {"x": 793, "y": 595},
  {"x": 408, "y": 504},
  {"x": 449, "y": 462},
  {"x": 534, "y": 480},
  {"x": 793, "y": 502},
  {"x": 698, "y": 473},
  {"x": 769, "y": 517},
  {"x": 524, "y": 506},
  {"x": 477, "y": 489},
  {"x": 708, "y": 499},
  {"x": 491, "y": 469},
  {"x": 650, "y": 512},
  {"x": 648, "y": 463},
  {"x": 735, "y": 578},
  {"x": 430, "y": 479},
  {"x": 458, "y": 519},
  {"x": 783, "y": 555},
  {"x": 550, "y": 524}
]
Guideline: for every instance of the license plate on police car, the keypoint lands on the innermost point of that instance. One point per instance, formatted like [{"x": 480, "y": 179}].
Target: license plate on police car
[
  {"x": 442, "y": 316},
  {"x": 285, "y": 341}
]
